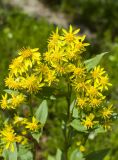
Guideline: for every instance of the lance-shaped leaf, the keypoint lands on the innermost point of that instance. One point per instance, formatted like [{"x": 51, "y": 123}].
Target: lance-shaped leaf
[
  {"x": 91, "y": 63},
  {"x": 98, "y": 155},
  {"x": 58, "y": 154},
  {"x": 42, "y": 112},
  {"x": 76, "y": 124}
]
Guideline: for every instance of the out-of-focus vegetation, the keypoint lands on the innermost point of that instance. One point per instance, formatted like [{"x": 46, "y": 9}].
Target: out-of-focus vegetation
[{"x": 100, "y": 17}]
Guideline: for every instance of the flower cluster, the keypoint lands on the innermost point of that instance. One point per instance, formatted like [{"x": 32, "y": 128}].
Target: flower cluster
[
  {"x": 11, "y": 134},
  {"x": 23, "y": 75},
  {"x": 62, "y": 62},
  {"x": 89, "y": 88},
  {"x": 64, "y": 57},
  {"x": 12, "y": 101}
]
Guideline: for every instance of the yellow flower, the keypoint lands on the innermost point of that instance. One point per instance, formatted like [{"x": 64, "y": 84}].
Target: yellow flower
[
  {"x": 51, "y": 77},
  {"x": 97, "y": 72},
  {"x": 24, "y": 141},
  {"x": 4, "y": 103},
  {"x": 34, "y": 125},
  {"x": 42, "y": 68},
  {"x": 16, "y": 100},
  {"x": 92, "y": 91},
  {"x": 8, "y": 137},
  {"x": 79, "y": 45},
  {"x": 78, "y": 72},
  {"x": 13, "y": 102},
  {"x": 16, "y": 66},
  {"x": 70, "y": 36},
  {"x": 107, "y": 111},
  {"x": 18, "y": 119},
  {"x": 94, "y": 102},
  {"x": 29, "y": 53},
  {"x": 61, "y": 69},
  {"x": 81, "y": 102},
  {"x": 88, "y": 122},
  {"x": 25, "y": 53},
  {"x": 53, "y": 40},
  {"x": 11, "y": 83},
  {"x": 24, "y": 132},
  {"x": 32, "y": 83},
  {"x": 19, "y": 139},
  {"x": 104, "y": 83},
  {"x": 79, "y": 86}
]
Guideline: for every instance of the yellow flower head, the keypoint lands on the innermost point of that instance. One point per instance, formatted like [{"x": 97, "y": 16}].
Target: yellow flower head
[
  {"x": 51, "y": 77},
  {"x": 88, "y": 122},
  {"x": 11, "y": 83},
  {"x": 34, "y": 125},
  {"x": 79, "y": 86},
  {"x": 94, "y": 102},
  {"x": 107, "y": 112},
  {"x": 92, "y": 91},
  {"x": 16, "y": 100},
  {"x": 3, "y": 102},
  {"x": 32, "y": 83},
  {"x": 16, "y": 66},
  {"x": 104, "y": 83},
  {"x": 18, "y": 120},
  {"x": 78, "y": 72},
  {"x": 53, "y": 40},
  {"x": 97, "y": 72},
  {"x": 70, "y": 36},
  {"x": 81, "y": 102},
  {"x": 8, "y": 137}
]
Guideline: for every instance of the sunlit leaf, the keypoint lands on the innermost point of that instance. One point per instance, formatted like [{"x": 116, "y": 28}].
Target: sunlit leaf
[
  {"x": 75, "y": 154},
  {"x": 24, "y": 153},
  {"x": 42, "y": 112},
  {"x": 9, "y": 155},
  {"x": 91, "y": 63},
  {"x": 76, "y": 124},
  {"x": 58, "y": 154}
]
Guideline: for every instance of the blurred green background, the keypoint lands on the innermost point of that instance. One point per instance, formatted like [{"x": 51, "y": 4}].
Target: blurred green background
[{"x": 96, "y": 18}]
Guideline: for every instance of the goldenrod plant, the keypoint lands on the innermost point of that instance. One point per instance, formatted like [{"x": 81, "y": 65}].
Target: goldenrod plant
[{"x": 62, "y": 67}]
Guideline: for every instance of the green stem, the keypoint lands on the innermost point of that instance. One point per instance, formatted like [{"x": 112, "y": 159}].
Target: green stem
[{"x": 67, "y": 131}]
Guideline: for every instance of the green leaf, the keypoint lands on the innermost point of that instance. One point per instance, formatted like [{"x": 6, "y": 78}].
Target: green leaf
[
  {"x": 72, "y": 106},
  {"x": 98, "y": 155},
  {"x": 42, "y": 112},
  {"x": 75, "y": 113},
  {"x": 24, "y": 153},
  {"x": 9, "y": 91},
  {"x": 91, "y": 63},
  {"x": 75, "y": 155},
  {"x": 100, "y": 130},
  {"x": 76, "y": 124},
  {"x": 58, "y": 154},
  {"x": 36, "y": 136},
  {"x": 51, "y": 158},
  {"x": 9, "y": 155},
  {"x": 73, "y": 109}
]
